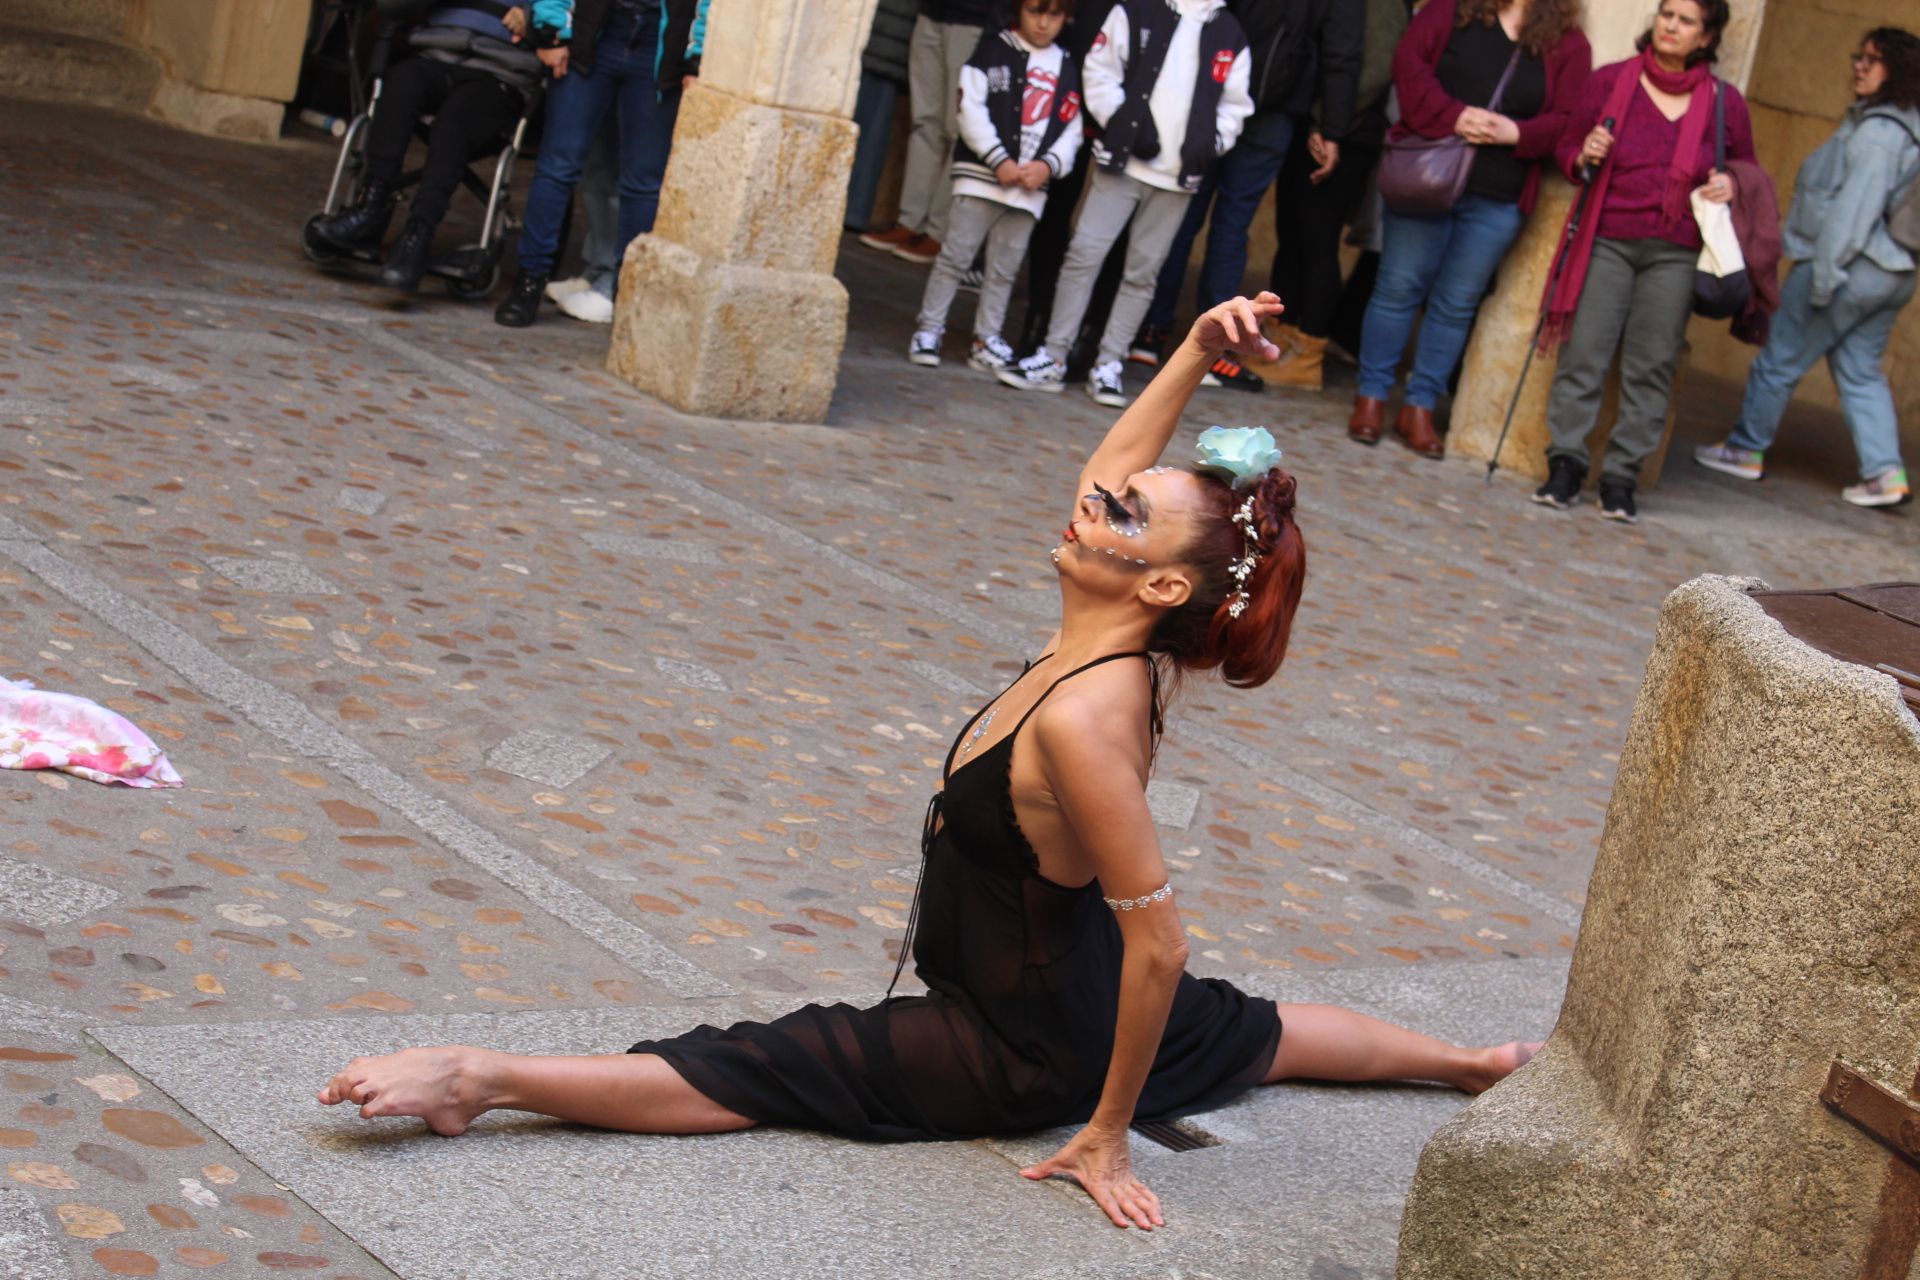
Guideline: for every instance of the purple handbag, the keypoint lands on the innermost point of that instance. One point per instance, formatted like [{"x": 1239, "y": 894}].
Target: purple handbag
[{"x": 1423, "y": 177}]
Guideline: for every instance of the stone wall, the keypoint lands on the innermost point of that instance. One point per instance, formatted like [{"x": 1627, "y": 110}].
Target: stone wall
[{"x": 1800, "y": 88}]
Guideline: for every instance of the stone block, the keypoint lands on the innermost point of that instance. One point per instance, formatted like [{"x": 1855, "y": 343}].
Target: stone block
[
  {"x": 724, "y": 340},
  {"x": 788, "y": 54},
  {"x": 220, "y": 115},
  {"x": 1801, "y": 65},
  {"x": 1754, "y": 912},
  {"x": 754, "y": 185}
]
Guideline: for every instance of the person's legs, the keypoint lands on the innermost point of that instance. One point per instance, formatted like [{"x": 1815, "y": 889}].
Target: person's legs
[
  {"x": 1006, "y": 247},
  {"x": 477, "y": 109},
  {"x": 958, "y": 40},
  {"x": 1242, "y": 178},
  {"x": 1798, "y": 336},
  {"x": 1173, "y": 272},
  {"x": 598, "y": 197},
  {"x": 1875, "y": 297},
  {"x": 411, "y": 88},
  {"x": 932, "y": 100},
  {"x": 1322, "y": 1042},
  {"x": 646, "y": 130},
  {"x": 1573, "y": 403},
  {"x": 1656, "y": 325},
  {"x": 972, "y": 218},
  {"x": 873, "y": 113},
  {"x": 1156, "y": 221},
  {"x": 577, "y": 105},
  {"x": 1103, "y": 214},
  {"x": 1412, "y": 250},
  {"x": 1291, "y": 191},
  {"x": 1047, "y": 250},
  {"x": 1482, "y": 231},
  {"x": 449, "y": 1086}
]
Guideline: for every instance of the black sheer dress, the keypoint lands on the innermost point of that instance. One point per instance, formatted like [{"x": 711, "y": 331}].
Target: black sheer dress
[{"x": 1017, "y": 1025}]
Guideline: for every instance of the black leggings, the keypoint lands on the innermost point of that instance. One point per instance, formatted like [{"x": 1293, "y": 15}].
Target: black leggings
[
  {"x": 1307, "y": 221},
  {"x": 471, "y": 111}
]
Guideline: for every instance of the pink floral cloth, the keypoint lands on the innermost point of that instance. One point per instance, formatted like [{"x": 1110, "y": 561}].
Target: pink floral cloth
[{"x": 74, "y": 735}]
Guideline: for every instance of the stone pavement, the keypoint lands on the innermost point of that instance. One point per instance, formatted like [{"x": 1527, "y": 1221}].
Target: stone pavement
[{"x": 516, "y": 708}]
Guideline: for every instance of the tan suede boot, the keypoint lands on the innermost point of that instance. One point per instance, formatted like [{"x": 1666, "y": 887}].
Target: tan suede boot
[
  {"x": 1300, "y": 367},
  {"x": 1283, "y": 336}
]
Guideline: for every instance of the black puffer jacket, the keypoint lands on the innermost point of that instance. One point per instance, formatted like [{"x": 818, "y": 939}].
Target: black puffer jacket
[
  {"x": 974, "y": 13},
  {"x": 892, "y": 33},
  {"x": 1303, "y": 50}
]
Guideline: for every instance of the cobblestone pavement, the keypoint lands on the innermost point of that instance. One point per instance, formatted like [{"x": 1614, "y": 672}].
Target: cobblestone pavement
[{"x": 502, "y": 690}]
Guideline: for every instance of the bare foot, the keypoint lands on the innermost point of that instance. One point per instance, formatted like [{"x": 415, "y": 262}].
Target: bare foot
[
  {"x": 447, "y": 1086},
  {"x": 1496, "y": 1064}
]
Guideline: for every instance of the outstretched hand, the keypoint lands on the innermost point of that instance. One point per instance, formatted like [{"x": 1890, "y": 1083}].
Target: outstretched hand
[
  {"x": 1101, "y": 1163},
  {"x": 1234, "y": 325}
]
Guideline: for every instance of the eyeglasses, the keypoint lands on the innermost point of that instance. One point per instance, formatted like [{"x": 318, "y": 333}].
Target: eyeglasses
[{"x": 1865, "y": 59}]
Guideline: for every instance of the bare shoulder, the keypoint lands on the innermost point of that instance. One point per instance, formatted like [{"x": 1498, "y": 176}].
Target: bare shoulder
[{"x": 1102, "y": 713}]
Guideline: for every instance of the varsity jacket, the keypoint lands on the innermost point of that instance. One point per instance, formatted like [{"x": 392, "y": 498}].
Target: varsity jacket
[
  {"x": 1017, "y": 103},
  {"x": 1167, "y": 80}
]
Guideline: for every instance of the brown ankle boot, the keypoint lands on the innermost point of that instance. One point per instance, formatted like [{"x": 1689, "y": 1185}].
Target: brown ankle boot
[
  {"x": 1369, "y": 418},
  {"x": 1300, "y": 367},
  {"x": 1414, "y": 426}
]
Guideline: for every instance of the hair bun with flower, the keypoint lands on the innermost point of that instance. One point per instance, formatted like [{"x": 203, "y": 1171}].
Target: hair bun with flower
[
  {"x": 1240, "y": 454},
  {"x": 1247, "y": 456}
]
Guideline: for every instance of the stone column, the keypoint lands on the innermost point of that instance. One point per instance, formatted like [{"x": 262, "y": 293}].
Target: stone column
[
  {"x": 231, "y": 65},
  {"x": 1507, "y": 318},
  {"x": 1754, "y": 913},
  {"x": 729, "y": 307}
]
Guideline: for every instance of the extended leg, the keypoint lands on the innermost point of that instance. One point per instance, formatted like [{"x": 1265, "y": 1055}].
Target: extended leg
[
  {"x": 448, "y": 1086},
  {"x": 1321, "y": 1042}
]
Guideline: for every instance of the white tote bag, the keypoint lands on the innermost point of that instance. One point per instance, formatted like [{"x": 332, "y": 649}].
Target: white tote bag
[{"x": 1720, "y": 284}]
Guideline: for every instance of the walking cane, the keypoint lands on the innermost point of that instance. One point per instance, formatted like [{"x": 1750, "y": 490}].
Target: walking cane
[{"x": 1559, "y": 263}]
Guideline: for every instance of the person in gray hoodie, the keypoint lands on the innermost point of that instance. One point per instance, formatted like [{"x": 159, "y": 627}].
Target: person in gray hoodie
[{"x": 1849, "y": 280}]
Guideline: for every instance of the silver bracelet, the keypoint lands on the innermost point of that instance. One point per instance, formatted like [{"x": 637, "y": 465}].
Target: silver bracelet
[{"x": 1128, "y": 904}]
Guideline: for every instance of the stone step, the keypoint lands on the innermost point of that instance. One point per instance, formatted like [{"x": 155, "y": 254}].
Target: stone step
[
  {"x": 102, "y": 19},
  {"x": 41, "y": 64}
]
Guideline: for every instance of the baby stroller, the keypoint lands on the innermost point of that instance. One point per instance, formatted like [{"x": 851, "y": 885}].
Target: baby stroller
[{"x": 472, "y": 270}]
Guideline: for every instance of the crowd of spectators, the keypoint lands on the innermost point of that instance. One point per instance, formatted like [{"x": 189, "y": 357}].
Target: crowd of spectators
[{"x": 1089, "y": 143}]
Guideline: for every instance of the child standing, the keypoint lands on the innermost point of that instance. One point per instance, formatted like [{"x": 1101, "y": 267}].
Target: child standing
[
  {"x": 1019, "y": 129},
  {"x": 1167, "y": 81}
]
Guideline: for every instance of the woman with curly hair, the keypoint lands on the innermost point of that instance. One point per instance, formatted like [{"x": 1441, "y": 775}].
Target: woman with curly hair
[
  {"x": 1850, "y": 280},
  {"x": 1456, "y": 56},
  {"x": 1044, "y": 926}
]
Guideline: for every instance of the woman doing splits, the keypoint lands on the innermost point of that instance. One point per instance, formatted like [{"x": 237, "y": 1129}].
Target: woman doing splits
[{"x": 1047, "y": 932}]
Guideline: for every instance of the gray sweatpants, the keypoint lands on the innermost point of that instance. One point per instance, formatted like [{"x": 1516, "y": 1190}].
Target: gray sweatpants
[
  {"x": 970, "y": 221},
  {"x": 1113, "y": 198},
  {"x": 1642, "y": 290},
  {"x": 935, "y": 54}
]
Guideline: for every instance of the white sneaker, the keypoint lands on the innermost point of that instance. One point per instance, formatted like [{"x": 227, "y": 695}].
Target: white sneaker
[
  {"x": 1038, "y": 372},
  {"x": 558, "y": 289},
  {"x": 924, "y": 348},
  {"x": 589, "y": 305},
  {"x": 1104, "y": 385},
  {"x": 1888, "y": 489},
  {"x": 990, "y": 354}
]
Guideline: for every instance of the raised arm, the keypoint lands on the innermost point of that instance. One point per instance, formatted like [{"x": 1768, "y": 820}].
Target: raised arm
[
  {"x": 1094, "y": 754},
  {"x": 1138, "y": 439}
]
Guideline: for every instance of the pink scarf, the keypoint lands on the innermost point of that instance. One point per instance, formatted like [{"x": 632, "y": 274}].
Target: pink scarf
[{"x": 1563, "y": 297}]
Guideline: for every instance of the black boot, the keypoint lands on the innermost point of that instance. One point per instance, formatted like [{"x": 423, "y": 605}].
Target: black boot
[
  {"x": 408, "y": 261},
  {"x": 521, "y": 306},
  {"x": 362, "y": 224},
  {"x": 1564, "y": 477}
]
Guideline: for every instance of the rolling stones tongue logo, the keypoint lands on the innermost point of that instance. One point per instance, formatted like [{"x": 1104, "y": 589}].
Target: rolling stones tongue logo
[
  {"x": 1038, "y": 103},
  {"x": 1222, "y": 65}
]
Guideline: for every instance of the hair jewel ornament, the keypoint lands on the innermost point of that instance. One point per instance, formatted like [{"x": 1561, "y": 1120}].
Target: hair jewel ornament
[
  {"x": 1242, "y": 569},
  {"x": 1242, "y": 454}
]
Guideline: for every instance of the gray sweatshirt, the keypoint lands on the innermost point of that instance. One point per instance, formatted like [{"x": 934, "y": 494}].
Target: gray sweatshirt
[{"x": 1841, "y": 194}]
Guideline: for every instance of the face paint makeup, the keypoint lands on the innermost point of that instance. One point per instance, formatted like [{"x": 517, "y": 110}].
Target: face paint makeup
[{"x": 1119, "y": 519}]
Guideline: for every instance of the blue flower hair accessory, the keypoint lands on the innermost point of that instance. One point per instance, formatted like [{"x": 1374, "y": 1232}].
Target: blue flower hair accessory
[{"x": 1241, "y": 453}]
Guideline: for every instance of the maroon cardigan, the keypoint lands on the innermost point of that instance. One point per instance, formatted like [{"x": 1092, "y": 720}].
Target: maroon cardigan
[{"x": 1426, "y": 108}]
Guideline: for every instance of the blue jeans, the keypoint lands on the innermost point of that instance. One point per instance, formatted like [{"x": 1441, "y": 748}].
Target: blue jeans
[
  {"x": 873, "y": 112},
  {"x": 1851, "y": 332},
  {"x": 598, "y": 197},
  {"x": 577, "y": 104},
  {"x": 1443, "y": 263},
  {"x": 1233, "y": 188}
]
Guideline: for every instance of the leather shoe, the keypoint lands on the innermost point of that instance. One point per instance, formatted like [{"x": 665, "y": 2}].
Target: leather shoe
[
  {"x": 1414, "y": 426},
  {"x": 1369, "y": 417}
]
